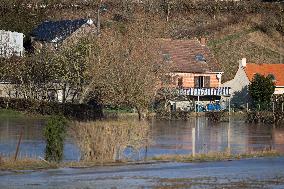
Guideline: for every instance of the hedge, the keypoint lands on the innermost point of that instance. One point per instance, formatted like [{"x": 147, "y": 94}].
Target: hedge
[{"x": 69, "y": 110}]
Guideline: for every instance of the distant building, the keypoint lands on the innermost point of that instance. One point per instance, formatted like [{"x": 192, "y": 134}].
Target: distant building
[
  {"x": 53, "y": 34},
  {"x": 245, "y": 74},
  {"x": 11, "y": 43},
  {"x": 195, "y": 72}
]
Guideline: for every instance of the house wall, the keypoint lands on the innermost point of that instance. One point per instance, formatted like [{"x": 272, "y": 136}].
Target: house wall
[
  {"x": 239, "y": 82},
  {"x": 279, "y": 90},
  {"x": 239, "y": 87},
  {"x": 188, "y": 79},
  {"x": 6, "y": 89},
  {"x": 11, "y": 43}
]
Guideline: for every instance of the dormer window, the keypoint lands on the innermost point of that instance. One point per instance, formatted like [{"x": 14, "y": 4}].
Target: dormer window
[
  {"x": 167, "y": 57},
  {"x": 200, "y": 58}
]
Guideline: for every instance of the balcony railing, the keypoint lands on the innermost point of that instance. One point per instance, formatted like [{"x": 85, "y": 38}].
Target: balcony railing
[{"x": 218, "y": 91}]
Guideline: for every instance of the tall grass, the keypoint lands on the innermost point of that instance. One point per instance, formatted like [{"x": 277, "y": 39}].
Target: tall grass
[{"x": 105, "y": 141}]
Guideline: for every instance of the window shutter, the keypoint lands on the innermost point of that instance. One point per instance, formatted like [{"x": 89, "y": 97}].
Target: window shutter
[
  {"x": 207, "y": 81},
  {"x": 196, "y": 81}
]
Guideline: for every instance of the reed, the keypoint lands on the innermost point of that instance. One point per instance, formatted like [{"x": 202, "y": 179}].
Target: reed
[{"x": 105, "y": 141}]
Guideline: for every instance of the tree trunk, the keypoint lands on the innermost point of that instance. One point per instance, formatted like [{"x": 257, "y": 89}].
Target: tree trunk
[{"x": 142, "y": 113}]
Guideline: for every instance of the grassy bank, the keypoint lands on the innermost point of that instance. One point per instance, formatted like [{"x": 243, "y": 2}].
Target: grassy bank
[
  {"x": 216, "y": 156},
  {"x": 8, "y": 113},
  {"x": 38, "y": 164},
  {"x": 26, "y": 164}
]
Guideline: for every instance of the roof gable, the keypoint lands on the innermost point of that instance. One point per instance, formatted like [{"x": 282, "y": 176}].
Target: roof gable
[
  {"x": 57, "y": 31},
  {"x": 189, "y": 56},
  {"x": 265, "y": 69}
]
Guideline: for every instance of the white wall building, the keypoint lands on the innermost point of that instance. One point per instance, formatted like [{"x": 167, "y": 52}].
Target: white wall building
[
  {"x": 11, "y": 43},
  {"x": 244, "y": 76}
]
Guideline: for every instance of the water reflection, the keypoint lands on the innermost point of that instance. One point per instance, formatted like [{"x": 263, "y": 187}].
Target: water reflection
[
  {"x": 169, "y": 137},
  {"x": 183, "y": 137},
  {"x": 33, "y": 144}
]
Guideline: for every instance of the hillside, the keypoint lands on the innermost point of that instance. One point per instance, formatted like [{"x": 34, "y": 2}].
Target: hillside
[{"x": 234, "y": 30}]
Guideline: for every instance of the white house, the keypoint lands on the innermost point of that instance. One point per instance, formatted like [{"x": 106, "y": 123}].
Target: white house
[
  {"x": 11, "y": 43},
  {"x": 245, "y": 74}
]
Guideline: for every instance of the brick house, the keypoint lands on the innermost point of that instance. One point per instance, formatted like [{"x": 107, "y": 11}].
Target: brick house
[
  {"x": 194, "y": 71},
  {"x": 53, "y": 34},
  {"x": 245, "y": 74}
]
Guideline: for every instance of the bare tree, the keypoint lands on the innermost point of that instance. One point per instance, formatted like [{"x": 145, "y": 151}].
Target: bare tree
[{"x": 124, "y": 68}]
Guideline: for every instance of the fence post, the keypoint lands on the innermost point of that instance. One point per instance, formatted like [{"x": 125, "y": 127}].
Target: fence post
[
  {"x": 229, "y": 106},
  {"x": 193, "y": 141},
  {"x": 18, "y": 145}
]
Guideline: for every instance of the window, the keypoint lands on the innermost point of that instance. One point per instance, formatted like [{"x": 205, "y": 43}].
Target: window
[
  {"x": 201, "y": 81},
  {"x": 180, "y": 82},
  {"x": 200, "y": 58},
  {"x": 167, "y": 57}
]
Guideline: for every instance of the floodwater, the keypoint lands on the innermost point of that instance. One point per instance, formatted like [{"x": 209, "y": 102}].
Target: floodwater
[{"x": 167, "y": 137}]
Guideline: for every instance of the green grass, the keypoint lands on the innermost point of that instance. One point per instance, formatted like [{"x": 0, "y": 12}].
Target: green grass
[
  {"x": 214, "y": 43},
  {"x": 7, "y": 113}
]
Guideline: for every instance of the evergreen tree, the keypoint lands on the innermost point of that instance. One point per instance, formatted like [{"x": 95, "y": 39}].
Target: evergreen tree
[{"x": 261, "y": 90}]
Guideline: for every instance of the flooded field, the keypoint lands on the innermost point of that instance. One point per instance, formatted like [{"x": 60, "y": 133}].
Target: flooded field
[{"x": 168, "y": 137}]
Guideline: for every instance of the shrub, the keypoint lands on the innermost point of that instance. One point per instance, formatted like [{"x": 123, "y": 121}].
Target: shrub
[
  {"x": 105, "y": 140},
  {"x": 54, "y": 133},
  {"x": 69, "y": 110},
  {"x": 261, "y": 90}
]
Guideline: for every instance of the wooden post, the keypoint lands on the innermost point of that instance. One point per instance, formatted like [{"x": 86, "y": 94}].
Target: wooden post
[
  {"x": 18, "y": 145},
  {"x": 273, "y": 107},
  {"x": 247, "y": 107},
  {"x": 229, "y": 136},
  {"x": 198, "y": 103},
  {"x": 229, "y": 106},
  {"x": 193, "y": 141}
]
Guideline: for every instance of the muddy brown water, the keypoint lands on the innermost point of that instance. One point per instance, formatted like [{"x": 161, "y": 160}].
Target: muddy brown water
[{"x": 168, "y": 137}]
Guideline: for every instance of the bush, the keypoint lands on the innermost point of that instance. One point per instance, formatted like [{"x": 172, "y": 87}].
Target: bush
[
  {"x": 72, "y": 111},
  {"x": 261, "y": 90},
  {"x": 54, "y": 133}
]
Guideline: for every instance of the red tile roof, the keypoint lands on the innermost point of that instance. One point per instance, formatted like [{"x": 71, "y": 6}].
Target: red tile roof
[
  {"x": 264, "y": 69},
  {"x": 182, "y": 54}
]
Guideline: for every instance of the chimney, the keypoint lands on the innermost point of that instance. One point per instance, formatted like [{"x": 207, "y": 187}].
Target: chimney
[
  {"x": 243, "y": 63},
  {"x": 202, "y": 41}
]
